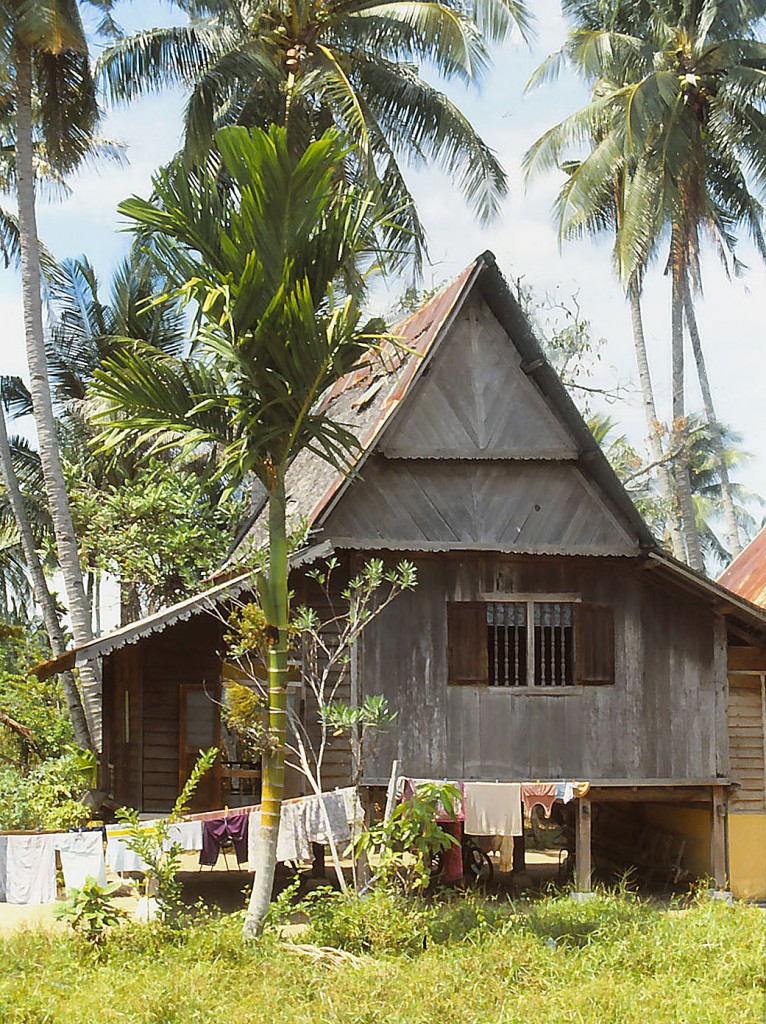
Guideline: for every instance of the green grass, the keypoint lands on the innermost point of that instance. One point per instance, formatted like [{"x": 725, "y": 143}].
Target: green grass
[{"x": 614, "y": 960}]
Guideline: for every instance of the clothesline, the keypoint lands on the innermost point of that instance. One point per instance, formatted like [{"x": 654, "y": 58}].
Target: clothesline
[{"x": 249, "y": 808}]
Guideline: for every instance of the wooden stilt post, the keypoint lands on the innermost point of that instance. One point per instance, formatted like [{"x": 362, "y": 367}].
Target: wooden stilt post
[
  {"x": 718, "y": 837},
  {"x": 582, "y": 847}
]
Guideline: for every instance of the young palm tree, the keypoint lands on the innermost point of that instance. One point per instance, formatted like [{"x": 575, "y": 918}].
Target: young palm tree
[
  {"x": 349, "y": 63},
  {"x": 677, "y": 110},
  {"x": 261, "y": 261},
  {"x": 53, "y": 94}
]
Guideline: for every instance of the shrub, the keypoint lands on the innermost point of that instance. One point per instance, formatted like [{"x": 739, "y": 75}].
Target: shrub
[
  {"x": 89, "y": 910},
  {"x": 384, "y": 921}
]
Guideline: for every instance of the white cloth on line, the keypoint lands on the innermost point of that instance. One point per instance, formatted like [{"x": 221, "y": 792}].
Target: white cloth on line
[
  {"x": 354, "y": 809},
  {"x": 119, "y": 856},
  {"x": 30, "y": 869},
  {"x": 188, "y": 835},
  {"x": 493, "y": 809},
  {"x": 3, "y": 843},
  {"x": 292, "y": 842},
  {"x": 332, "y": 819},
  {"x": 564, "y": 791},
  {"x": 82, "y": 856}
]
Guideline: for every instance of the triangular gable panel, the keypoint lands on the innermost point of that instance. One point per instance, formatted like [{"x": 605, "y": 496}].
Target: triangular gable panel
[
  {"x": 474, "y": 401},
  {"x": 526, "y": 506}
]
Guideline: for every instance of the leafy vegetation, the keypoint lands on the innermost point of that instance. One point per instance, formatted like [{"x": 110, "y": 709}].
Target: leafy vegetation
[
  {"x": 406, "y": 843},
  {"x": 156, "y": 847},
  {"x": 89, "y": 911},
  {"x": 614, "y": 960},
  {"x": 159, "y": 532}
]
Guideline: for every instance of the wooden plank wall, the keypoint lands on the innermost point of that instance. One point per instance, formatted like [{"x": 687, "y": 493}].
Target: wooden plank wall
[
  {"x": 122, "y": 688},
  {"x": 186, "y": 653},
  {"x": 660, "y": 720},
  {"x": 336, "y": 763},
  {"x": 746, "y": 742}
]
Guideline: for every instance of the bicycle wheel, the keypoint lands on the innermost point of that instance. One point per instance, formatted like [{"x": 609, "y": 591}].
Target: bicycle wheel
[{"x": 477, "y": 866}]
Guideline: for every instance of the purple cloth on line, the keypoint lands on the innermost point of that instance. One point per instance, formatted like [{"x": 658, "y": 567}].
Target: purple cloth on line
[{"x": 219, "y": 831}]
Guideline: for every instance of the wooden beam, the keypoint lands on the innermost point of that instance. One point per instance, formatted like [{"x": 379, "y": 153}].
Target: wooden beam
[
  {"x": 653, "y": 795},
  {"x": 582, "y": 846},
  {"x": 718, "y": 837},
  {"x": 532, "y": 365}
]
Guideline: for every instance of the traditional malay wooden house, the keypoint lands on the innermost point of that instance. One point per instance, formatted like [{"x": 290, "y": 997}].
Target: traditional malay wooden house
[{"x": 549, "y": 636}]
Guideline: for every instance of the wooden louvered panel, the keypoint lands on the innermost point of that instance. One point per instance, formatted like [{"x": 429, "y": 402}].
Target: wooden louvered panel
[{"x": 746, "y": 742}]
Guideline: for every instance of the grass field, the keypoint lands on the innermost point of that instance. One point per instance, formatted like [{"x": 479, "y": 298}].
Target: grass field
[{"x": 613, "y": 960}]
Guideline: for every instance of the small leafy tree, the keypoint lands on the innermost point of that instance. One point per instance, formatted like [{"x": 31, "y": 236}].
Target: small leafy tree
[
  {"x": 325, "y": 646},
  {"x": 154, "y": 845},
  {"x": 161, "y": 531},
  {"x": 89, "y": 910},
  {"x": 407, "y": 841}
]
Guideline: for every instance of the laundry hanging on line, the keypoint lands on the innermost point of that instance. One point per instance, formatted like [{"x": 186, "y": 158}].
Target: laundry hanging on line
[
  {"x": 493, "y": 809},
  {"x": 220, "y": 831},
  {"x": 30, "y": 868},
  {"x": 82, "y": 856},
  {"x": 303, "y": 822}
]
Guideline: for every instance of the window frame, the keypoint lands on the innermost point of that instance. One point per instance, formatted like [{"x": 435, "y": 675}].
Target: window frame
[
  {"x": 530, "y": 600},
  {"x": 594, "y": 664}
]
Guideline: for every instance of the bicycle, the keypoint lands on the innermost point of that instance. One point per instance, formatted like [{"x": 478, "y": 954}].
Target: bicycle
[{"x": 477, "y": 865}]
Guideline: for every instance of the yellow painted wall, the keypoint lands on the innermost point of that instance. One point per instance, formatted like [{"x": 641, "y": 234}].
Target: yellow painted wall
[
  {"x": 747, "y": 855},
  {"x": 690, "y": 823}
]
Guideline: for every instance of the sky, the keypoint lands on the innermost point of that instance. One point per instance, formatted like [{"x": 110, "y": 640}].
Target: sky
[{"x": 522, "y": 238}]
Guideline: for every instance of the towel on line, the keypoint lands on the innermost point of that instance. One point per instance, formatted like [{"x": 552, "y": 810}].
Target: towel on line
[{"x": 493, "y": 809}]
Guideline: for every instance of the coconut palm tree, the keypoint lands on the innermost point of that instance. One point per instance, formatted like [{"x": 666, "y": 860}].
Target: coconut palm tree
[
  {"x": 51, "y": 91},
  {"x": 349, "y": 63},
  {"x": 677, "y": 111},
  {"x": 262, "y": 262},
  {"x": 33, "y": 565}
]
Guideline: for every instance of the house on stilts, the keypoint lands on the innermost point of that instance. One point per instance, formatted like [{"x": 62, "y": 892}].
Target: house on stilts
[{"x": 549, "y": 636}]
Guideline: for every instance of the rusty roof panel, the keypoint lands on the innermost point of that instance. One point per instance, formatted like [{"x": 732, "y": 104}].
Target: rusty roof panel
[
  {"x": 363, "y": 401},
  {"x": 746, "y": 576}
]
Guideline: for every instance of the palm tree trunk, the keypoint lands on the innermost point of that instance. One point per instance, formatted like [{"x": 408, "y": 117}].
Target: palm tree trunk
[
  {"x": 727, "y": 501},
  {"x": 652, "y": 423},
  {"x": 40, "y": 586},
  {"x": 683, "y": 483},
  {"x": 66, "y": 541},
  {"x": 276, "y": 608}
]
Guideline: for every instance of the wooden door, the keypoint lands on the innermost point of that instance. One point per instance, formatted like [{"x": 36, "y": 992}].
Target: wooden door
[{"x": 200, "y": 728}]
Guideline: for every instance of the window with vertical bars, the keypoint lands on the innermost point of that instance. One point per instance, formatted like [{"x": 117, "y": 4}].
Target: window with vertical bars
[{"x": 542, "y": 657}]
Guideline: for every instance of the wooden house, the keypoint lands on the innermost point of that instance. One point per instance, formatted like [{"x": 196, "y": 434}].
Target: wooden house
[{"x": 549, "y": 637}]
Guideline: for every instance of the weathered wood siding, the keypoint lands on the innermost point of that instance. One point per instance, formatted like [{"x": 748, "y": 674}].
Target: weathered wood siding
[
  {"x": 475, "y": 401},
  {"x": 661, "y": 719},
  {"x": 516, "y": 505},
  {"x": 146, "y": 767},
  {"x": 746, "y": 715},
  {"x": 336, "y": 761}
]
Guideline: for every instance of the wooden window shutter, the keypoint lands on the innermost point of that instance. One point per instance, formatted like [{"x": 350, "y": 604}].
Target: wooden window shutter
[
  {"x": 594, "y": 644},
  {"x": 467, "y": 660}
]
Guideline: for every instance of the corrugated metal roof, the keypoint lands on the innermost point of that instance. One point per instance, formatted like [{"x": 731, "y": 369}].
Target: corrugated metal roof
[
  {"x": 746, "y": 576},
  {"x": 364, "y": 400},
  {"x": 314, "y": 487},
  {"x": 207, "y": 601}
]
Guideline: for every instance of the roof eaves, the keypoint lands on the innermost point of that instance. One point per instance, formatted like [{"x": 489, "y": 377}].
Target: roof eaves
[{"x": 205, "y": 601}]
